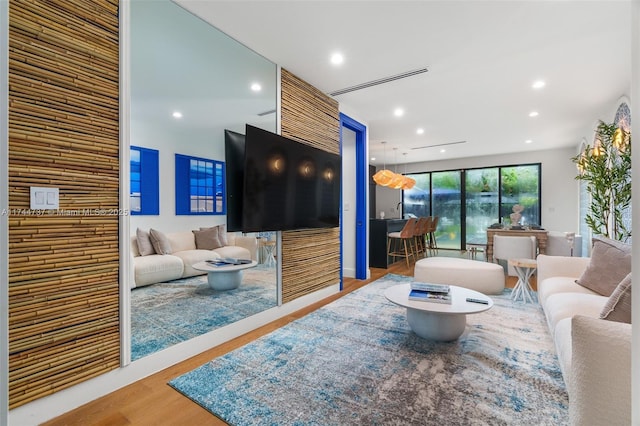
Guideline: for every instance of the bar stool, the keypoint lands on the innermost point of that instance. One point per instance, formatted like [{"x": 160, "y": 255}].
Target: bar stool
[
  {"x": 433, "y": 244},
  {"x": 405, "y": 238}
]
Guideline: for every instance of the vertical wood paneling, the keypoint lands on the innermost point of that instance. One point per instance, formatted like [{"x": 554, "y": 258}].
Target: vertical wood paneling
[
  {"x": 310, "y": 258},
  {"x": 63, "y": 132}
]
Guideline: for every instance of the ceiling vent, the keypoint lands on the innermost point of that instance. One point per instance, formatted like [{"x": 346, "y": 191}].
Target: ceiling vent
[
  {"x": 379, "y": 81},
  {"x": 439, "y": 144}
]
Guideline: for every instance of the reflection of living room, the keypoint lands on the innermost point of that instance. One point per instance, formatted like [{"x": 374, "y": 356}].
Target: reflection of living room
[{"x": 183, "y": 181}]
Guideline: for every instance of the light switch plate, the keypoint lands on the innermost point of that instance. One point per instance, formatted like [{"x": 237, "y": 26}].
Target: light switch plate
[{"x": 43, "y": 198}]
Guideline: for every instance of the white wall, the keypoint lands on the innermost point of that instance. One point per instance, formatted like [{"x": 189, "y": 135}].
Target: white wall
[
  {"x": 348, "y": 203},
  {"x": 171, "y": 140},
  {"x": 560, "y": 190}
]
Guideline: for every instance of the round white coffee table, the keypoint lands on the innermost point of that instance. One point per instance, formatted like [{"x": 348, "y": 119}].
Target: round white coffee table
[
  {"x": 438, "y": 321},
  {"x": 224, "y": 277}
]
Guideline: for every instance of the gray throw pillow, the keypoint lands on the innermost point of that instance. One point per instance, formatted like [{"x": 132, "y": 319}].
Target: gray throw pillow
[
  {"x": 207, "y": 239},
  {"x": 160, "y": 242},
  {"x": 618, "y": 307},
  {"x": 222, "y": 234},
  {"x": 610, "y": 263},
  {"x": 143, "y": 240}
]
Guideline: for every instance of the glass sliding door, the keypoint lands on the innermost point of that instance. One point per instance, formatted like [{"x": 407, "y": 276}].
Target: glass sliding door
[
  {"x": 481, "y": 203},
  {"x": 520, "y": 185},
  {"x": 417, "y": 200},
  {"x": 447, "y": 190}
]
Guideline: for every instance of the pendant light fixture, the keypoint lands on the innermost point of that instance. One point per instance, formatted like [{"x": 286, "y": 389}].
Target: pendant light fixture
[
  {"x": 384, "y": 176},
  {"x": 408, "y": 182}
]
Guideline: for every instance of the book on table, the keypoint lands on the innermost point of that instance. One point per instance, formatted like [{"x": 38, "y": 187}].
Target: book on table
[
  {"x": 430, "y": 287},
  {"x": 227, "y": 261},
  {"x": 428, "y": 296}
]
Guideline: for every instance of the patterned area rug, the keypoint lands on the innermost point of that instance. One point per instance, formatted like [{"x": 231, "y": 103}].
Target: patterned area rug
[
  {"x": 355, "y": 361},
  {"x": 164, "y": 314}
]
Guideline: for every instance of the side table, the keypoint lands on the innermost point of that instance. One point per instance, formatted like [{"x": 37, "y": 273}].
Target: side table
[{"x": 524, "y": 269}]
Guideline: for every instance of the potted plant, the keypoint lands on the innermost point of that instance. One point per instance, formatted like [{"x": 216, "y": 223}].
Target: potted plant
[{"x": 606, "y": 169}]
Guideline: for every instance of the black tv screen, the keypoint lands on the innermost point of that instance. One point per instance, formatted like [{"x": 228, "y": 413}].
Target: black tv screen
[
  {"x": 234, "y": 178},
  {"x": 288, "y": 184}
]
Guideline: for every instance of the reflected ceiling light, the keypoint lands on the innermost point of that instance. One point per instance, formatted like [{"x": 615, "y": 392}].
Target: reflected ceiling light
[
  {"x": 307, "y": 168},
  {"x": 177, "y": 114},
  {"x": 539, "y": 84},
  {"x": 398, "y": 112},
  {"x": 276, "y": 164},
  {"x": 533, "y": 114},
  {"x": 420, "y": 131},
  {"x": 256, "y": 87},
  {"x": 337, "y": 58}
]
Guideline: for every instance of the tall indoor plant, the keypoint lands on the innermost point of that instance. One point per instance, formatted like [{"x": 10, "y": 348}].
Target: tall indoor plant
[{"x": 606, "y": 168}]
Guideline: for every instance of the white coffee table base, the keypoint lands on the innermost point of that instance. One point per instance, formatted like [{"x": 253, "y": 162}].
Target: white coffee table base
[
  {"x": 225, "y": 277},
  {"x": 224, "y": 280},
  {"x": 435, "y": 326},
  {"x": 440, "y": 322}
]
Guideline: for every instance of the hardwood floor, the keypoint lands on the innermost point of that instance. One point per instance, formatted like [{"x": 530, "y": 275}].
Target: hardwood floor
[{"x": 151, "y": 401}]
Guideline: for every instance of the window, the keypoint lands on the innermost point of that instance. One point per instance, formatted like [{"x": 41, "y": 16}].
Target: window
[
  {"x": 144, "y": 193},
  {"x": 199, "y": 186},
  {"x": 468, "y": 201}
]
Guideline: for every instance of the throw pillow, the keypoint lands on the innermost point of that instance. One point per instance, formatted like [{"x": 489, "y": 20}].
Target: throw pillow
[
  {"x": 160, "y": 242},
  {"x": 618, "y": 307},
  {"x": 143, "y": 240},
  {"x": 222, "y": 234},
  {"x": 610, "y": 263},
  {"x": 207, "y": 239}
]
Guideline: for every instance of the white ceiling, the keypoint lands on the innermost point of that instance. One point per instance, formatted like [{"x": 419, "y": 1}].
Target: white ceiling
[{"x": 482, "y": 57}]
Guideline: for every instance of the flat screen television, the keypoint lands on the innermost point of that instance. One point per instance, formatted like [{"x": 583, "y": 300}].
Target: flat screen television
[
  {"x": 234, "y": 178},
  {"x": 288, "y": 185}
]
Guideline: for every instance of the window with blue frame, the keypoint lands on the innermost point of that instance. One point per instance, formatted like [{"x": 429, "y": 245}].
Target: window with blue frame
[
  {"x": 144, "y": 185},
  {"x": 200, "y": 186}
]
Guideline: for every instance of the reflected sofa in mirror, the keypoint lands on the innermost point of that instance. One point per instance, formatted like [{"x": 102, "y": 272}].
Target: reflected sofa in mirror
[{"x": 189, "y": 82}]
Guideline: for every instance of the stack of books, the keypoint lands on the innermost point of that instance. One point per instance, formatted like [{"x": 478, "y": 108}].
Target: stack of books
[
  {"x": 427, "y": 292},
  {"x": 227, "y": 261}
]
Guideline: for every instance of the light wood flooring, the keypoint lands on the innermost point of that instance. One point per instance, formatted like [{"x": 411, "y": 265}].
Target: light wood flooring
[{"x": 151, "y": 401}]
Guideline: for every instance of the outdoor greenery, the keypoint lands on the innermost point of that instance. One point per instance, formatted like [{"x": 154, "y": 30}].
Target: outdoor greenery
[{"x": 606, "y": 169}]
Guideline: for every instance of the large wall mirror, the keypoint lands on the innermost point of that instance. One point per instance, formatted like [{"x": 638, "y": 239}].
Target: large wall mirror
[{"x": 189, "y": 82}]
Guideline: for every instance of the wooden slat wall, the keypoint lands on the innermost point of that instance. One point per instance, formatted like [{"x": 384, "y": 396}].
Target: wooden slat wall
[
  {"x": 310, "y": 258},
  {"x": 63, "y": 132}
]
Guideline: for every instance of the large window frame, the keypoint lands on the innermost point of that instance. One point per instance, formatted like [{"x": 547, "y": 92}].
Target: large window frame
[
  {"x": 200, "y": 186},
  {"x": 501, "y": 199},
  {"x": 144, "y": 181}
]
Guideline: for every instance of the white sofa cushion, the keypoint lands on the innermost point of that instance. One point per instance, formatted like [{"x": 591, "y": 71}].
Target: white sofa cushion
[
  {"x": 191, "y": 257},
  {"x": 555, "y": 285},
  {"x": 562, "y": 339},
  {"x": 157, "y": 268},
  {"x": 600, "y": 390},
  {"x": 565, "y": 305},
  {"x": 180, "y": 241}
]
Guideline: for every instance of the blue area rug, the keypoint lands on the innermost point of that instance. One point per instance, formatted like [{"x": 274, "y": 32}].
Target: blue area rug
[
  {"x": 355, "y": 361},
  {"x": 164, "y": 314}
]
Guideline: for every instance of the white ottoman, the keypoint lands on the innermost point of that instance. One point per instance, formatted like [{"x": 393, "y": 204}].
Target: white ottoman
[{"x": 485, "y": 277}]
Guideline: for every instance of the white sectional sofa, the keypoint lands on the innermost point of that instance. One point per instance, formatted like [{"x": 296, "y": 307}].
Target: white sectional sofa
[
  {"x": 183, "y": 253},
  {"x": 594, "y": 353}
]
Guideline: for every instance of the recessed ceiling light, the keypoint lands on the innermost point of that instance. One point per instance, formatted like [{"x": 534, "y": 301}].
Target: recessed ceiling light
[
  {"x": 420, "y": 131},
  {"x": 398, "y": 112},
  {"x": 533, "y": 114},
  {"x": 373, "y": 158},
  {"x": 539, "y": 84},
  {"x": 337, "y": 58},
  {"x": 256, "y": 87},
  {"x": 443, "y": 150},
  {"x": 177, "y": 114},
  {"x": 528, "y": 141}
]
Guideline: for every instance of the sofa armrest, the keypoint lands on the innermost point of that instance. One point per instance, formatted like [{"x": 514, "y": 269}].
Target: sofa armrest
[
  {"x": 560, "y": 266},
  {"x": 250, "y": 243},
  {"x": 600, "y": 388}
]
